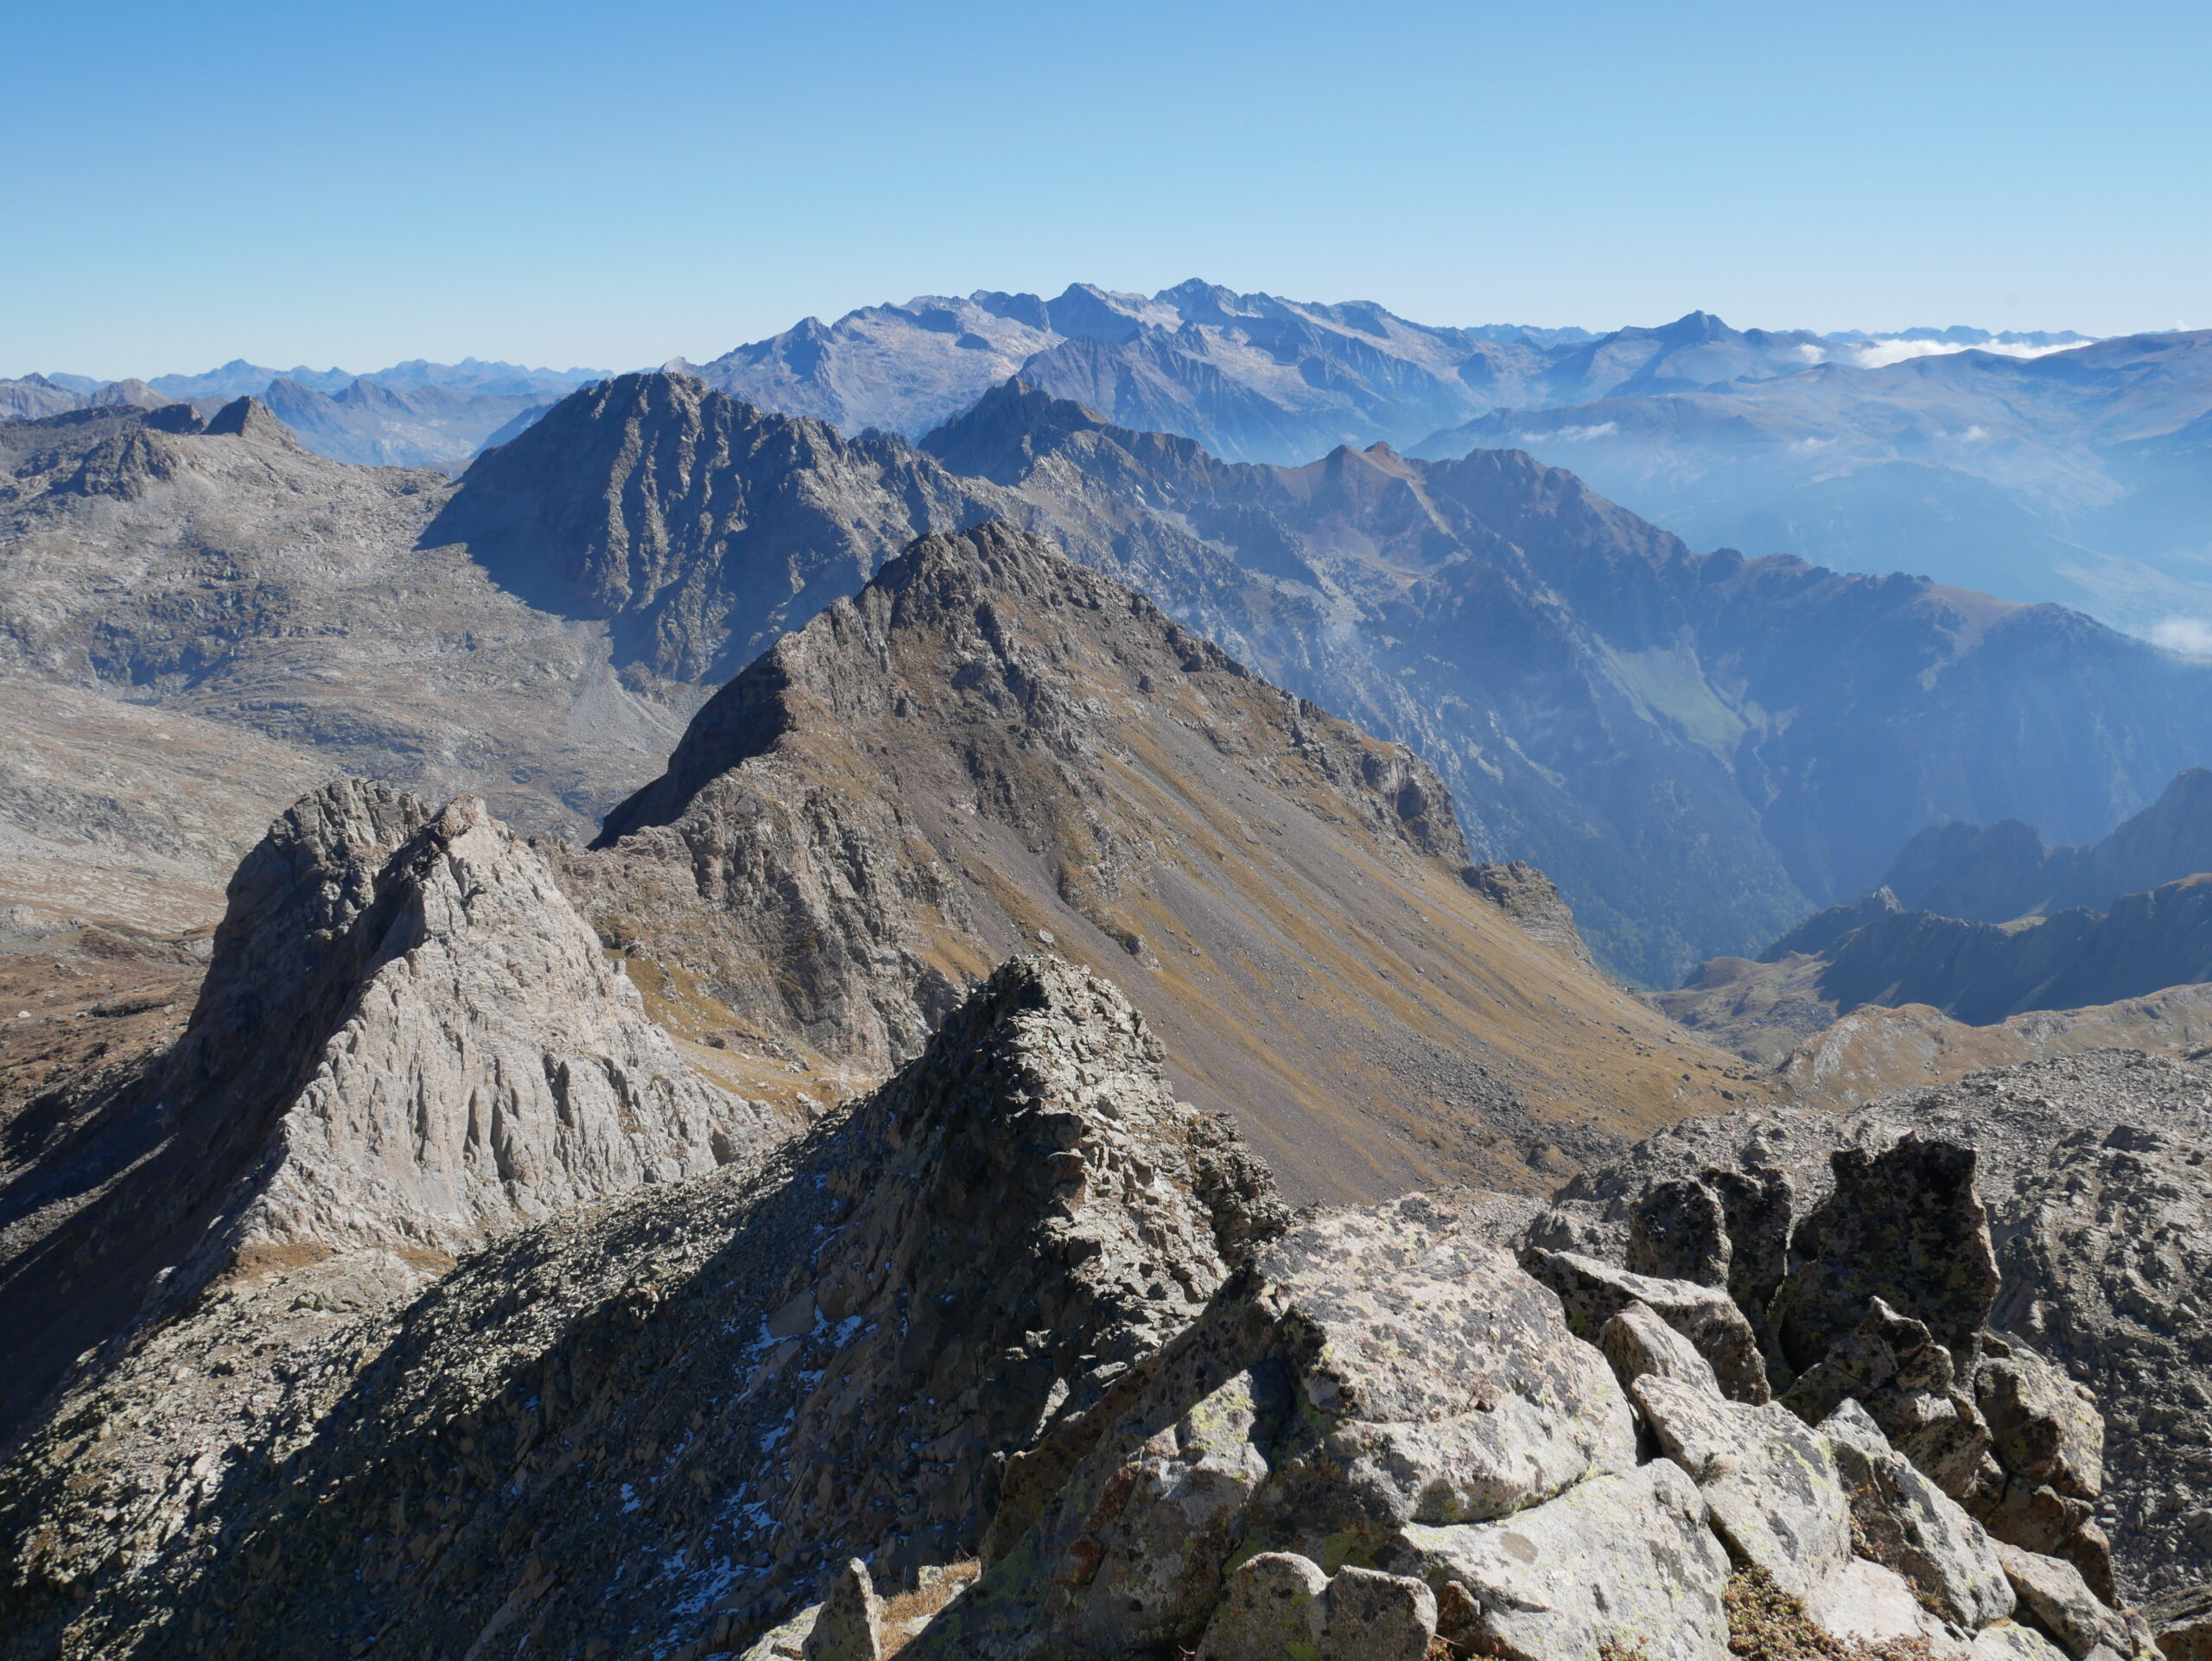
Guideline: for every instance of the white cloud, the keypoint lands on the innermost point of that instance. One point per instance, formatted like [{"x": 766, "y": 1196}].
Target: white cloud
[
  {"x": 1880, "y": 355},
  {"x": 1573, "y": 435},
  {"x": 1975, "y": 434},
  {"x": 1808, "y": 445},
  {"x": 2188, "y": 635}
]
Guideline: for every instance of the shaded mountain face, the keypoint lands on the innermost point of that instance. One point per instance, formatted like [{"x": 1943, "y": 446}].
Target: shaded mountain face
[
  {"x": 1996, "y": 873},
  {"x": 2072, "y": 476},
  {"x": 1686, "y": 742},
  {"x": 992, "y": 745},
  {"x": 699, "y": 527}
]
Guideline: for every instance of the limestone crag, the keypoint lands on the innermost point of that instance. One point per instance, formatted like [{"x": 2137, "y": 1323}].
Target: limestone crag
[{"x": 673, "y": 1419}]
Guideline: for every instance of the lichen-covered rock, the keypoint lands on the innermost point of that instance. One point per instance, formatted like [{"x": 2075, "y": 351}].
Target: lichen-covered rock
[
  {"x": 1377, "y": 1617},
  {"x": 1635, "y": 1341},
  {"x": 2037, "y": 1517},
  {"x": 1770, "y": 1484},
  {"x": 1593, "y": 1292},
  {"x": 2008, "y": 1640},
  {"x": 1678, "y": 1231},
  {"x": 1904, "y": 1522},
  {"x": 2056, "y": 1596},
  {"x": 1904, "y": 1225},
  {"x": 1621, "y": 1564},
  {"x": 1907, "y": 1383},
  {"x": 2044, "y": 1427},
  {"x": 849, "y": 1625},
  {"x": 1382, "y": 1367},
  {"x": 1272, "y": 1609}
]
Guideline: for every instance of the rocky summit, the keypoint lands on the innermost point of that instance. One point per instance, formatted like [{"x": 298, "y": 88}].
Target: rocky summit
[
  {"x": 406, "y": 1041},
  {"x": 991, "y": 747}
]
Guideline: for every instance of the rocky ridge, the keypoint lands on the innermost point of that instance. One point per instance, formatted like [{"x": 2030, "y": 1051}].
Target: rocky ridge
[
  {"x": 2092, "y": 1169},
  {"x": 659, "y": 1419},
  {"x": 991, "y": 747}
]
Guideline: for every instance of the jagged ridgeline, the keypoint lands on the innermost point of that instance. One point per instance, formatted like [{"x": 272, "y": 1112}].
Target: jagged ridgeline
[
  {"x": 991, "y": 747},
  {"x": 1021, "y": 1305}
]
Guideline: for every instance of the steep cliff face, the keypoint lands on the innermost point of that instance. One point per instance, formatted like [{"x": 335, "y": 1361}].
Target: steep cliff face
[
  {"x": 666, "y": 1416},
  {"x": 701, "y": 527},
  {"x": 991, "y": 745},
  {"x": 406, "y": 1041}
]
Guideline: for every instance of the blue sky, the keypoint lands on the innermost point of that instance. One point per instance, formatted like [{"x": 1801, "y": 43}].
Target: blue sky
[{"x": 614, "y": 185}]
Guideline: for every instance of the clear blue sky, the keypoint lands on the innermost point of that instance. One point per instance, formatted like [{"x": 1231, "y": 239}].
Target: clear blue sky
[{"x": 615, "y": 184}]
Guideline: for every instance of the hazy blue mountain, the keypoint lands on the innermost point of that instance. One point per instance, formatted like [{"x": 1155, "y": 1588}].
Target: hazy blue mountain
[
  {"x": 2077, "y": 475},
  {"x": 377, "y": 424}
]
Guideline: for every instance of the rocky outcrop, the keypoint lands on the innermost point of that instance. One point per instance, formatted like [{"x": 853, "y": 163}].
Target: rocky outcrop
[
  {"x": 406, "y": 1040},
  {"x": 1385, "y": 1421},
  {"x": 991, "y": 747},
  {"x": 2090, "y": 1169},
  {"x": 679, "y": 1415}
]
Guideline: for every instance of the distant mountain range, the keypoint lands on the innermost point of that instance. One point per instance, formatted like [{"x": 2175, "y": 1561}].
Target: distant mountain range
[
  {"x": 414, "y": 414},
  {"x": 2035, "y": 466}
]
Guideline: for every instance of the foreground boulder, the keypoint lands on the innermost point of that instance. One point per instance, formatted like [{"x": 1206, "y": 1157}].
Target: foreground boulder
[{"x": 2083, "y": 1323}]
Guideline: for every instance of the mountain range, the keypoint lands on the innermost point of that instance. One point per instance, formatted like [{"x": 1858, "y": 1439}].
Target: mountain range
[
  {"x": 819, "y": 1185},
  {"x": 1699, "y": 749},
  {"x": 2040, "y": 466},
  {"x": 413, "y": 414}
]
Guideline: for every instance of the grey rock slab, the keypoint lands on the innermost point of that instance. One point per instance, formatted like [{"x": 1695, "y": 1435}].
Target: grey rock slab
[
  {"x": 2008, "y": 1640},
  {"x": 1866, "y": 1603},
  {"x": 1377, "y": 1617},
  {"x": 1627, "y": 1560},
  {"x": 2043, "y": 1426},
  {"x": 1593, "y": 1292},
  {"x": 1904, "y": 1522},
  {"x": 1635, "y": 1342},
  {"x": 1272, "y": 1606},
  {"x": 2060, "y": 1601},
  {"x": 849, "y": 1625},
  {"x": 1770, "y": 1484}
]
